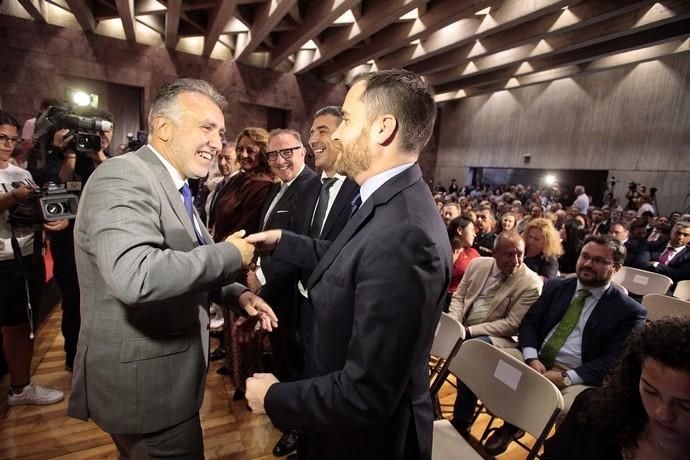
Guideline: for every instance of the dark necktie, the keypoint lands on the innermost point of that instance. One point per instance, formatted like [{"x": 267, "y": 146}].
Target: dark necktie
[
  {"x": 219, "y": 188},
  {"x": 187, "y": 196},
  {"x": 321, "y": 207},
  {"x": 570, "y": 318},
  {"x": 355, "y": 204}
]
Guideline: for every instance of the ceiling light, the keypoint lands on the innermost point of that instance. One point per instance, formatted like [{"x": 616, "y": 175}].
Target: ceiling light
[
  {"x": 483, "y": 12},
  {"x": 410, "y": 15},
  {"x": 346, "y": 18}
]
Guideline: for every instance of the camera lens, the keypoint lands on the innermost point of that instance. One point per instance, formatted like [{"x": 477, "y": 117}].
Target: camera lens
[{"x": 54, "y": 209}]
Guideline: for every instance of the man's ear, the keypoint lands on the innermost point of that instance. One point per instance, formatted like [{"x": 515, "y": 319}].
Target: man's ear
[
  {"x": 162, "y": 127},
  {"x": 384, "y": 129}
]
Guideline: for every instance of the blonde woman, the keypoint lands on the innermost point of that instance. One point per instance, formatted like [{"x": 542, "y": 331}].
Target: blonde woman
[{"x": 542, "y": 247}]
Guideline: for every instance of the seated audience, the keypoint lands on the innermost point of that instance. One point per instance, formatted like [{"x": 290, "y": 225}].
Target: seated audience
[
  {"x": 484, "y": 242},
  {"x": 508, "y": 222},
  {"x": 671, "y": 259},
  {"x": 575, "y": 332},
  {"x": 621, "y": 232},
  {"x": 461, "y": 234},
  {"x": 450, "y": 211},
  {"x": 572, "y": 238},
  {"x": 542, "y": 248},
  {"x": 490, "y": 302},
  {"x": 600, "y": 225},
  {"x": 643, "y": 409}
]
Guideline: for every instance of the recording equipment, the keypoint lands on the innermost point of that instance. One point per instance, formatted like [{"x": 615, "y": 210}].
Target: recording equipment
[
  {"x": 46, "y": 204},
  {"x": 84, "y": 129}
]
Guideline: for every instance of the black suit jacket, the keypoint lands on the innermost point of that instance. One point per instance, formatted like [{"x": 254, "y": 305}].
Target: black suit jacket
[
  {"x": 611, "y": 321},
  {"x": 378, "y": 291},
  {"x": 678, "y": 269},
  {"x": 283, "y": 215}
]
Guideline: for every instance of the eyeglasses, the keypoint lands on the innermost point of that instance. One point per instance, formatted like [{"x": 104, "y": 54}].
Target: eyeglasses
[
  {"x": 286, "y": 154},
  {"x": 595, "y": 260},
  {"x": 4, "y": 139},
  {"x": 249, "y": 150}
]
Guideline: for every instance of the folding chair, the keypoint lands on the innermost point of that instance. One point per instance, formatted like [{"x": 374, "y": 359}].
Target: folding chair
[
  {"x": 682, "y": 290},
  {"x": 510, "y": 390},
  {"x": 659, "y": 305},
  {"x": 641, "y": 282},
  {"x": 447, "y": 340}
]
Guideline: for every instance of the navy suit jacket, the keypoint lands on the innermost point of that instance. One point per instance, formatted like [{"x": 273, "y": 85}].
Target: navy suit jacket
[
  {"x": 378, "y": 291},
  {"x": 611, "y": 321},
  {"x": 678, "y": 269}
]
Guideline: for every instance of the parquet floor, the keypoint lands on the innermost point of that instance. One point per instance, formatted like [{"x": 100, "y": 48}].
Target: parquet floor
[{"x": 231, "y": 432}]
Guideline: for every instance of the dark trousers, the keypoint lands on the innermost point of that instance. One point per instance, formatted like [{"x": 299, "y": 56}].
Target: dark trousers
[
  {"x": 182, "y": 441},
  {"x": 65, "y": 272},
  {"x": 466, "y": 399}
]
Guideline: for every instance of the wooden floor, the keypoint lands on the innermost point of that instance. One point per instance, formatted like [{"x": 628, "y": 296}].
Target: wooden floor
[{"x": 230, "y": 431}]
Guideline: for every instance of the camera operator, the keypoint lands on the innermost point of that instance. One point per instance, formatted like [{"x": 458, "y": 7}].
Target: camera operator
[
  {"x": 21, "y": 273},
  {"x": 65, "y": 165}
]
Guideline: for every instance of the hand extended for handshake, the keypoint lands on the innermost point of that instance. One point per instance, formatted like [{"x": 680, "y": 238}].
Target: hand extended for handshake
[{"x": 258, "y": 310}]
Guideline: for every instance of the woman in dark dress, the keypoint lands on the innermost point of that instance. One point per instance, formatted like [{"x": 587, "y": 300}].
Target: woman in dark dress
[
  {"x": 642, "y": 412},
  {"x": 572, "y": 237},
  {"x": 238, "y": 207}
]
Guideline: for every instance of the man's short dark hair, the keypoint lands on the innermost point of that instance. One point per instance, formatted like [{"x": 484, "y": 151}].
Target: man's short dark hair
[
  {"x": 638, "y": 224},
  {"x": 404, "y": 95},
  {"x": 616, "y": 247},
  {"x": 622, "y": 224},
  {"x": 332, "y": 110},
  {"x": 7, "y": 119}
]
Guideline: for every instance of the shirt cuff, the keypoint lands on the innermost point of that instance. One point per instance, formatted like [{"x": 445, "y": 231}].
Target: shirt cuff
[
  {"x": 530, "y": 353},
  {"x": 574, "y": 377}
]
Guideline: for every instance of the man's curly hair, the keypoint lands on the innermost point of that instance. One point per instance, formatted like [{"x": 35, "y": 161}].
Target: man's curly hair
[{"x": 617, "y": 409}]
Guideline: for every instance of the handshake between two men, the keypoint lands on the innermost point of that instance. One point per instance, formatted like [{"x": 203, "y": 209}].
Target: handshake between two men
[
  {"x": 254, "y": 305},
  {"x": 258, "y": 384}
]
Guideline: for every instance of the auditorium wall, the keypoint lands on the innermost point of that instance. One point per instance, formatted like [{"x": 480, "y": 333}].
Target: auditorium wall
[
  {"x": 632, "y": 121},
  {"x": 41, "y": 60}
]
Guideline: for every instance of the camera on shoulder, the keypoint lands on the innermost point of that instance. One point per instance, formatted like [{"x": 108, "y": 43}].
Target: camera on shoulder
[
  {"x": 46, "y": 204},
  {"x": 84, "y": 129}
]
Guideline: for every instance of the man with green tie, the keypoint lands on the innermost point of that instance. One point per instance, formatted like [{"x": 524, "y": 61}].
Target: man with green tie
[{"x": 575, "y": 332}]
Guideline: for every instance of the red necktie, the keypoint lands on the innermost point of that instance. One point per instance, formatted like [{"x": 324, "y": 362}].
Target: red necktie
[{"x": 665, "y": 256}]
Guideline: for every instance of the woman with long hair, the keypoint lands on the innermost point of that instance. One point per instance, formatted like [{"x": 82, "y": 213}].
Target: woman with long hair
[
  {"x": 643, "y": 409},
  {"x": 238, "y": 207},
  {"x": 461, "y": 234},
  {"x": 542, "y": 247},
  {"x": 572, "y": 237}
]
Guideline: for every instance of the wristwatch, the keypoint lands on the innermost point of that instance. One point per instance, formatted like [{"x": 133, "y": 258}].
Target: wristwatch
[{"x": 566, "y": 379}]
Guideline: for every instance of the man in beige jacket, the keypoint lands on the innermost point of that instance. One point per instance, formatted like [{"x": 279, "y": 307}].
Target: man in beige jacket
[{"x": 493, "y": 297}]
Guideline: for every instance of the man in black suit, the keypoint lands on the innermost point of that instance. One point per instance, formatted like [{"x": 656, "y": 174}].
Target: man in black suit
[
  {"x": 285, "y": 155},
  {"x": 325, "y": 204},
  {"x": 575, "y": 332},
  {"x": 378, "y": 290},
  {"x": 671, "y": 259}
]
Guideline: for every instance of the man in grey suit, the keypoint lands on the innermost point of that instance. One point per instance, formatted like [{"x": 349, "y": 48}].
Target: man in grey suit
[
  {"x": 147, "y": 270},
  {"x": 378, "y": 289}
]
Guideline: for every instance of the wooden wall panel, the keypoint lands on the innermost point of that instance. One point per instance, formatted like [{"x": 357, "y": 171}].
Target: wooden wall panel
[{"x": 633, "y": 121}]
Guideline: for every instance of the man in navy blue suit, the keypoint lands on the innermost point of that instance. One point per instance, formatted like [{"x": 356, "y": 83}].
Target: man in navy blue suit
[
  {"x": 671, "y": 259},
  {"x": 378, "y": 290},
  {"x": 575, "y": 332}
]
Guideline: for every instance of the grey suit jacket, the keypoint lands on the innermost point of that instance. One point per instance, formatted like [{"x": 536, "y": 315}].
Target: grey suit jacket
[
  {"x": 145, "y": 286},
  {"x": 509, "y": 306}
]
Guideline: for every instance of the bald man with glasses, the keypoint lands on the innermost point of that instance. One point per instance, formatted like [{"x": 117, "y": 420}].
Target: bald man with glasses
[{"x": 285, "y": 155}]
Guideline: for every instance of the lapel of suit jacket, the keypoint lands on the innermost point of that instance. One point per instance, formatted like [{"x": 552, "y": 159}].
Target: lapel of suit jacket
[
  {"x": 381, "y": 196},
  {"x": 174, "y": 197},
  {"x": 507, "y": 287},
  {"x": 605, "y": 306},
  {"x": 680, "y": 258},
  {"x": 342, "y": 202},
  {"x": 272, "y": 192}
]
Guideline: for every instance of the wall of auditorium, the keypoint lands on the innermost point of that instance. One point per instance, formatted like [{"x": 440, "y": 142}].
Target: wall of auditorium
[
  {"x": 40, "y": 60},
  {"x": 632, "y": 121}
]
